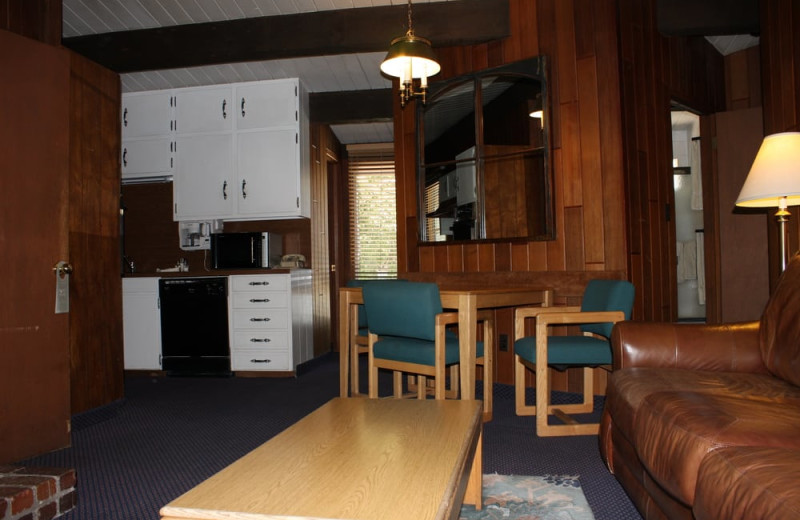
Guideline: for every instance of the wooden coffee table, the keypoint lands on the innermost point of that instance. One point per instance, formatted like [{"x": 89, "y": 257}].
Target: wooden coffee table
[{"x": 356, "y": 459}]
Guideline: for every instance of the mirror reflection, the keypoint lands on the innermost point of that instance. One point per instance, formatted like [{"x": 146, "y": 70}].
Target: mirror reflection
[{"x": 483, "y": 156}]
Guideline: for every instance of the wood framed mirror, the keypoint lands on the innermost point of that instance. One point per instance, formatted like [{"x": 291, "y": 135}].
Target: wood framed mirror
[{"x": 483, "y": 161}]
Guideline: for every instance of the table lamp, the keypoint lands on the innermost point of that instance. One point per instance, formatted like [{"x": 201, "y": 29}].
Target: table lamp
[{"x": 774, "y": 181}]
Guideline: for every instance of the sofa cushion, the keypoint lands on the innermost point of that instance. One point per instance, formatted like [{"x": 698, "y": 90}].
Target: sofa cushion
[
  {"x": 675, "y": 417},
  {"x": 627, "y": 389},
  {"x": 748, "y": 482},
  {"x": 780, "y": 326}
]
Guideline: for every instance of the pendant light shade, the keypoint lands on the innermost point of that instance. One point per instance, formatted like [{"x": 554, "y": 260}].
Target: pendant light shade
[
  {"x": 410, "y": 53},
  {"x": 411, "y": 58}
]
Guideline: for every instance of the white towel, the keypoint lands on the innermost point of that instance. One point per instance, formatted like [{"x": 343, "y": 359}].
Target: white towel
[
  {"x": 701, "y": 269},
  {"x": 697, "y": 175},
  {"x": 687, "y": 261}
]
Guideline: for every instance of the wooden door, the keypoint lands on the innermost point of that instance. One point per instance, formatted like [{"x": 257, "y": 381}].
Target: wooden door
[
  {"x": 34, "y": 341},
  {"x": 96, "y": 354}
]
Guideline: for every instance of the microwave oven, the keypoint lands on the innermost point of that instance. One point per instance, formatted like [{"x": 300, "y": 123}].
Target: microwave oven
[{"x": 245, "y": 250}]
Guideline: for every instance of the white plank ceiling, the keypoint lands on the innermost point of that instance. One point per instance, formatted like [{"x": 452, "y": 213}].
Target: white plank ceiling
[{"x": 319, "y": 74}]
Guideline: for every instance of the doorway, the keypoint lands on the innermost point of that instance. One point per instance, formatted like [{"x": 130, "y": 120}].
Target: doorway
[{"x": 689, "y": 231}]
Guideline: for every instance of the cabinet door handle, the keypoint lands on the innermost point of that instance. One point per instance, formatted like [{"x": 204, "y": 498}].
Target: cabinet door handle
[
  {"x": 242, "y": 107},
  {"x": 259, "y": 300},
  {"x": 244, "y": 188},
  {"x": 224, "y": 190},
  {"x": 125, "y": 117},
  {"x": 224, "y": 113},
  {"x": 260, "y": 340},
  {"x": 124, "y": 157},
  {"x": 258, "y": 283},
  {"x": 259, "y": 319},
  {"x": 261, "y": 361}
]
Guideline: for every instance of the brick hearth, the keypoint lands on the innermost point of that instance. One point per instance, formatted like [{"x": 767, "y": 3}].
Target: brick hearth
[{"x": 36, "y": 493}]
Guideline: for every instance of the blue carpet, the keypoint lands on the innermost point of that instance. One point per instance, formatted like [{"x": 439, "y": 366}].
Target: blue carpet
[{"x": 169, "y": 434}]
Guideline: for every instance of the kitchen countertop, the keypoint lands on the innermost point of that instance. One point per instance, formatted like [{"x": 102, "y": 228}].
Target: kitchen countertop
[{"x": 196, "y": 273}]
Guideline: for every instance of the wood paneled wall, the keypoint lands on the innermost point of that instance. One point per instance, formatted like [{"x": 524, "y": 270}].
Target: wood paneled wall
[
  {"x": 611, "y": 78},
  {"x": 36, "y": 19},
  {"x": 780, "y": 65},
  {"x": 656, "y": 71},
  {"x": 579, "y": 38},
  {"x": 324, "y": 165}
]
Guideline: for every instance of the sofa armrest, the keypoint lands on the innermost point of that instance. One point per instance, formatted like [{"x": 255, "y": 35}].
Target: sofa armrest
[{"x": 726, "y": 348}]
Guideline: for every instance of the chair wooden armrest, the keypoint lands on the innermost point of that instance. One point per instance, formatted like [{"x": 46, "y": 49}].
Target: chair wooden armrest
[
  {"x": 532, "y": 312},
  {"x": 576, "y": 318}
]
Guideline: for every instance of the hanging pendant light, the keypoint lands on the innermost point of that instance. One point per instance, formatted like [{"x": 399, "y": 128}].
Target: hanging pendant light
[{"x": 411, "y": 58}]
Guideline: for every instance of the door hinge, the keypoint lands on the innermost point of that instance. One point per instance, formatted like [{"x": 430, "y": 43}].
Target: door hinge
[
  {"x": 298, "y": 202},
  {"x": 333, "y": 268}
]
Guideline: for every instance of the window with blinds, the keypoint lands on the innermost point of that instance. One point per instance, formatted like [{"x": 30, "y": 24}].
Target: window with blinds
[{"x": 373, "y": 213}]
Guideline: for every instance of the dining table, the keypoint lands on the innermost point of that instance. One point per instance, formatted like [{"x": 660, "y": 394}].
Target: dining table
[{"x": 465, "y": 301}]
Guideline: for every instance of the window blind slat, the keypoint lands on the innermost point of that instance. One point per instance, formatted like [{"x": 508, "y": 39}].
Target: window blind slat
[{"x": 373, "y": 213}]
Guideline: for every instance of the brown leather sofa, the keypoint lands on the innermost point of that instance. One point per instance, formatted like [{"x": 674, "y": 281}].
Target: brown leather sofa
[{"x": 703, "y": 421}]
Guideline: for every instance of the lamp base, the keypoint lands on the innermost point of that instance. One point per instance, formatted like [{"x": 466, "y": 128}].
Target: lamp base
[{"x": 782, "y": 217}]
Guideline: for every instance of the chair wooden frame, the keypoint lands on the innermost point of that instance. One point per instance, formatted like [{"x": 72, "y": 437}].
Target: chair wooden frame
[
  {"x": 437, "y": 372},
  {"x": 360, "y": 345},
  {"x": 545, "y": 317}
]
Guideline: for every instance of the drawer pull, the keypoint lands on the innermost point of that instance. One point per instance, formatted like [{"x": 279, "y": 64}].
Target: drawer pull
[
  {"x": 259, "y": 319},
  {"x": 258, "y": 283},
  {"x": 259, "y": 300},
  {"x": 261, "y": 361},
  {"x": 260, "y": 340}
]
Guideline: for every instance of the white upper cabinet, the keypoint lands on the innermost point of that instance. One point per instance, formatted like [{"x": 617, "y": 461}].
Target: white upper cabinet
[
  {"x": 147, "y": 157},
  {"x": 242, "y": 160},
  {"x": 204, "y": 183},
  {"x": 147, "y": 114},
  {"x": 148, "y": 147},
  {"x": 263, "y": 158},
  {"x": 202, "y": 110},
  {"x": 267, "y": 104}
]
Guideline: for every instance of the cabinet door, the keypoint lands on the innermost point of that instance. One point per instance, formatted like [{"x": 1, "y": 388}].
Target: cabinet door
[
  {"x": 266, "y": 105},
  {"x": 147, "y": 157},
  {"x": 203, "y": 185},
  {"x": 147, "y": 114},
  {"x": 268, "y": 173},
  {"x": 204, "y": 110},
  {"x": 141, "y": 321}
]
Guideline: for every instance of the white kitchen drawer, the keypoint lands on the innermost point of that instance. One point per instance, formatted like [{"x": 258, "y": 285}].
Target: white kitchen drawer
[
  {"x": 260, "y": 300},
  {"x": 267, "y": 282},
  {"x": 261, "y": 360},
  {"x": 261, "y": 339},
  {"x": 261, "y": 319}
]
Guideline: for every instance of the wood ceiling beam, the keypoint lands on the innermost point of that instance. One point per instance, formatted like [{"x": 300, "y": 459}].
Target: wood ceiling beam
[
  {"x": 355, "y": 106},
  {"x": 321, "y": 33}
]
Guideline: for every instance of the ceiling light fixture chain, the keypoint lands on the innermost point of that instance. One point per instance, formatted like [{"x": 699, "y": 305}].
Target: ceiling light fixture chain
[{"x": 411, "y": 58}]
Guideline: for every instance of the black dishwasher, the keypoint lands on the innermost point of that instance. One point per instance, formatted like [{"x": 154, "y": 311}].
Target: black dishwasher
[{"x": 194, "y": 326}]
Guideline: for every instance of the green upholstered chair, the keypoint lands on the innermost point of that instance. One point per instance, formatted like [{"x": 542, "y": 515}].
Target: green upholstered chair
[
  {"x": 407, "y": 335},
  {"x": 359, "y": 334},
  {"x": 604, "y": 303}
]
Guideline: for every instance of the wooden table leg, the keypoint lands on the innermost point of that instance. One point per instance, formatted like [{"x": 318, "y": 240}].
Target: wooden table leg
[
  {"x": 344, "y": 342},
  {"x": 474, "y": 493},
  {"x": 467, "y": 333}
]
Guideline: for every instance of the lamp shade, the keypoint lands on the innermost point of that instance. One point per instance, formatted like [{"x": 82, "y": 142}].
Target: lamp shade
[
  {"x": 410, "y": 53},
  {"x": 775, "y": 173}
]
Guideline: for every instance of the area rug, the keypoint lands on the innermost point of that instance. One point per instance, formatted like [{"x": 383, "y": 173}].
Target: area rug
[{"x": 519, "y": 497}]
